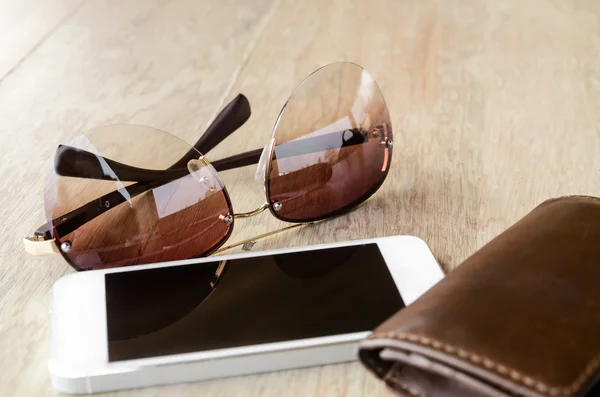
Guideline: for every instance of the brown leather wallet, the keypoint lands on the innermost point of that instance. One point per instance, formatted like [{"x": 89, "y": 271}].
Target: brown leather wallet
[{"x": 521, "y": 317}]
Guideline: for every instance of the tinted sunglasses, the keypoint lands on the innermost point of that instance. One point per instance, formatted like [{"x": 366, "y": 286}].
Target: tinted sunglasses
[{"x": 125, "y": 195}]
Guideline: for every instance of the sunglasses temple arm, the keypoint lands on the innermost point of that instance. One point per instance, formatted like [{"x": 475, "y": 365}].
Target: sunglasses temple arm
[
  {"x": 70, "y": 221},
  {"x": 71, "y": 162},
  {"x": 238, "y": 160},
  {"x": 298, "y": 147},
  {"x": 78, "y": 163},
  {"x": 232, "y": 117},
  {"x": 93, "y": 164}
]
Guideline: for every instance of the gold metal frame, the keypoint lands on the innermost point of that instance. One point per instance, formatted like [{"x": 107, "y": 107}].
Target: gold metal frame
[
  {"x": 38, "y": 246},
  {"x": 252, "y": 213},
  {"x": 260, "y": 237},
  {"x": 283, "y": 229}
]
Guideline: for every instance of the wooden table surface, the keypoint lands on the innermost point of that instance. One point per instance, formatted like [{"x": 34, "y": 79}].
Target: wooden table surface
[{"x": 495, "y": 106}]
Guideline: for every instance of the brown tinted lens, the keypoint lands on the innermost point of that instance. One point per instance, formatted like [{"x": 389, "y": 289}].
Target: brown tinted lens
[
  {"x": 333, "y": 145},
  {"x": 124, "y": 197}
]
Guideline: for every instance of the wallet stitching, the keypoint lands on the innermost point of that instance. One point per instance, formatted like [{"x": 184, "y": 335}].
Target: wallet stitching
[{"x": 492, "y": 365}]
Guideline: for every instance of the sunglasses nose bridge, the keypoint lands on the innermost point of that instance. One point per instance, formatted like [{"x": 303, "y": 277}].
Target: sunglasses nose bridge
[{"x": 252, "y": 213}]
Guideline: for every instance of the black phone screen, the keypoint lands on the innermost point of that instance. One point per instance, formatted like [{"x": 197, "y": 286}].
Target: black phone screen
[{"x": 248, "y": 301}]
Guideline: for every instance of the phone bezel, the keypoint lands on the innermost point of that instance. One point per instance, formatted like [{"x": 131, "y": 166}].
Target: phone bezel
[{"x": 79, "y": 343}]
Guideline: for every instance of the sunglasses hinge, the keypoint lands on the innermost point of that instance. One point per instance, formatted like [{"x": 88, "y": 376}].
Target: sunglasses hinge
[{"x": 38, "y": 245}]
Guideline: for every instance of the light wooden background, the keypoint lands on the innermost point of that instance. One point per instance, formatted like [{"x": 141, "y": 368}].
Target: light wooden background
[{"x": 495, "y": 106}]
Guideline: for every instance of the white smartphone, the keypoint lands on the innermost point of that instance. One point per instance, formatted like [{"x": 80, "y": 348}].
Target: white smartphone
[{"x": 230, "y": 315}]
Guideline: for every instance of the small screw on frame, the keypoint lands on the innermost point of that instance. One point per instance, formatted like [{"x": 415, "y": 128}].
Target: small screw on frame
[
  {"x": 277, "y": 206},
  {"x": 228, "y": 219},
  {"x": 65, "y": 247}
]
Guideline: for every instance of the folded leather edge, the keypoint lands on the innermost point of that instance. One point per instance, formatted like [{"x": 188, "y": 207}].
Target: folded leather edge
[
  {"x": 502, "y": 371},
  {"x": 416, "y": 360}
]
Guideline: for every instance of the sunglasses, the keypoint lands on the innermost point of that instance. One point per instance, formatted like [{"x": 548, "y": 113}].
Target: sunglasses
[{"x": 123, "y": 195}]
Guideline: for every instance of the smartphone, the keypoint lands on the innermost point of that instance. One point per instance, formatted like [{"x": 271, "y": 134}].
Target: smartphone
[{"x": 230, "y": 315}]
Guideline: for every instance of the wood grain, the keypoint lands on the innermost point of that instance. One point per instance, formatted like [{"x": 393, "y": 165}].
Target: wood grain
[
  {"x": 494, "y": 107},
  {"x": 24, "y": 25}
]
